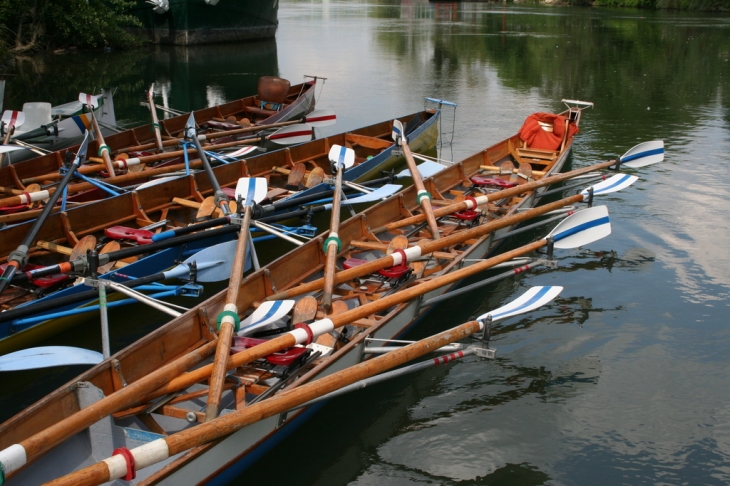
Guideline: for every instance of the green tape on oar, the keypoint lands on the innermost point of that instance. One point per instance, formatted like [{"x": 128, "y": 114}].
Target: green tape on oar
[
  {"x": 155, "y": 125},
  {"x": 327, "y": 242},
  {"x": 236, "y": 320},
  {"x": 424, "y": 194},
  {"x": 102, "y": 149}
]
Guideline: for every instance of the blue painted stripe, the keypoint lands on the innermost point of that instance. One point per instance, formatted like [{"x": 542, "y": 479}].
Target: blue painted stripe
[
  {"x": 251, "y": 192},
  {"x": 341, "y": 159},
  {"x": 581, "y": 227},
  {"x": 271, "y": 312},
  {"x": 530, "y": 302},
  {"x": 641, "y": 155},
  {"x": 618, "y": 182},
  {"x": 79, "y": 123}
]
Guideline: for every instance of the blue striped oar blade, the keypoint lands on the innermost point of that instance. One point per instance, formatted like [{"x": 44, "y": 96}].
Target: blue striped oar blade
[
  {"x": 267, "y": 313},
  {"x": 612, "y": 184},
  {"x": 644, "y": 154},
  {"x": 530, "y": 300},
  {"x": 582, "y": 228},
  {"x": 48, "y": 356}
]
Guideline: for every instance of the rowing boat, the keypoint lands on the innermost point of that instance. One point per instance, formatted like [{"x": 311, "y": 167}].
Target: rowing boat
[
  {"x": 53, "y": 128},
  {"x": 136, "y": 218},
  {"x": 389, "y": 272},
  {"x": 275, "y": 102}
]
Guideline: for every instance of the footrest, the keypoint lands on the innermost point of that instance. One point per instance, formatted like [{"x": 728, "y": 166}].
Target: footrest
[
  {"x": 143, "y": 237},
  {"x": 467, "y": 215},
  {"x": 396, "y": 271},
  {"x": 492, "y": 182},
  {"x": 353, "y": 262}
]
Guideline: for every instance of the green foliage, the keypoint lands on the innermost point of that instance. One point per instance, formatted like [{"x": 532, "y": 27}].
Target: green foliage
[{"x": 33, "y": 25}]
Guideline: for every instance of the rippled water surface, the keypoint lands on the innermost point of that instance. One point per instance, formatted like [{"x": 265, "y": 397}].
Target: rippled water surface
[{"x": 625, "y": 378}]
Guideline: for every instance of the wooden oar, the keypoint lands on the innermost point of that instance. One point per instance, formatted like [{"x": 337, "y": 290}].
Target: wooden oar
[
  {"x": 316, "y": 119},
  {"x": 423, "y": 196},
  {"x": 341, "y": 159},
  {"x": 11, "y": 120},
  {"x": 155, "y": 122},
  {"x": 92, "y": 102},
  {"x": 18, "y": 258},
  {"x": 161, "y": 449},
  {"x": 284, "y": 136},
  {"x": 641, "y": 155},
  {"x": 250, "y": 191}
]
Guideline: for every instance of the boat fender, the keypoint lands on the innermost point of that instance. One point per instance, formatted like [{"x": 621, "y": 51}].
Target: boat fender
[{"x": 129, "y": 459}]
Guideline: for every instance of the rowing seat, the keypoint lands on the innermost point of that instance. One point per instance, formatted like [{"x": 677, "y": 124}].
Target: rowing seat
[
  {"x": 492, "y": 182},
  {"x": 353, "y": 262},
  {"x": 286, "y": 357},
  {"x": 140, "y": 236}
]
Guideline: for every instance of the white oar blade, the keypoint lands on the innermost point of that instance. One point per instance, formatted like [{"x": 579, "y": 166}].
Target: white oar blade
[
  {"x": 426, "y": 169},
  {"x": 342, "y": 157},
  {"x": 48, "y": 356},
  {"x": 530, "y": 300},
  {"x": 252, "y": 190},
  {"x": 321, "y": 118},
  {"x": 612, "y": 184},
  {"x": 644, "y": 154},
  {"x": 398, "y": 132},
  {"x": 213, "y": 264},
  {"x": 89, "y": 100},
  {"x": 190, "y": 123},
  {"x": 293, "y": 134},
  {"x": 245, "y": 150},
  {"x": 10, "y": 148},
  {"x": 376, "y": 195},
  {"x": 155, "y": 182},
  {"x": 268, "y": 312},
  {"x": 582, "y": 228},
  {"x": 13, "y": 118}
]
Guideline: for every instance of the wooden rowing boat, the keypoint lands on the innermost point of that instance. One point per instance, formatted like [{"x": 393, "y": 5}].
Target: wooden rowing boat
[
  {"x": 289, "y": 102},
  {"x": 366, "y": 305},
  {"x": 176, "y": 203}
]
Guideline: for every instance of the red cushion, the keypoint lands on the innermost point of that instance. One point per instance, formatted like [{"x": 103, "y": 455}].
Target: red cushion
[
  {"x": 535, "y": 137},
  {"x": 492, "y": 181}
]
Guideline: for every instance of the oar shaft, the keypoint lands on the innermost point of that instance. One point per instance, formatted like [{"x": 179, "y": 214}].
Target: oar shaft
[
  {"x": 423, "y": 196},
  {"x": 155, "y": 121},
  {"x": 104, "y": 150},
  {"x": 332, "y": 245},
  {"x": 227, "y": 424}
]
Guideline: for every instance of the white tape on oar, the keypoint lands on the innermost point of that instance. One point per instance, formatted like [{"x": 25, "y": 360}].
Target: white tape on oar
[
  {"x": 213, "y": 264},
  {"x": 644, "y": 154},
  {"x": 267, "y": 313},
  {"x": 530, "y": 300},
  {"x": 48, "y": 356},
  {"x": 582, "y": 228},
  {"x": 612, "y": 184}
]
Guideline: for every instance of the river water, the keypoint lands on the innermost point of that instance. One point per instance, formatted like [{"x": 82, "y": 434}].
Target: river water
[{"x": 625, "y": 378}]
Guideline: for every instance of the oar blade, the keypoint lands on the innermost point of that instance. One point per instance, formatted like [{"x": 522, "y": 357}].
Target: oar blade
[
  {"x": 89, "y": 100},
  {"x": 251, "y": 190},
  {"x": 10, "y": 148},
  {"x": 154, "y": 182},
  {"x": 426, "y": 169},
  {"x": 644, "y": 154},
  {"x": 534, "y": 298},
  {"x": 612, "y": 184},
  {"x": 13, "y": 119},
  {"x": 267, "y": 313},
  {"x": 321, "y": 118},
  {"x": 398, "y": 132},
  {"x": 48, "y": 356},
  {"x": 293, "y": 134},
  {"x": 376, "y": 195},
  {"x": 582, "y": 228},
  {"x": 342, "y": 157}
]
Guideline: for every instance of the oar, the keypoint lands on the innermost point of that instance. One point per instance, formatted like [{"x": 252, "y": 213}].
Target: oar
[
  {"x": 47, "y": 357},
  {"x": 155, "y": 122},
  {"x": 316, "y": 119},
  {"x": 644, "y": 154},
  {"x": 267, "y": 313},
  {"x": 284, "y": 136},
  {"x": 592, "y": 226},
  {"x": 212, "y": 264},
  {"x": 423, "y": 196},
  {"x": 534, "y": 298},
  {"x": 159, "y": 450},
  {"x": 341, "y": 158},
  {"x": 18, "y": 258},
  {"x": 221, "y": 200},
  {"x": 11, "y": 120},
  {"x": 248, "y": 192},
  {"x": 92, "y": 102}
]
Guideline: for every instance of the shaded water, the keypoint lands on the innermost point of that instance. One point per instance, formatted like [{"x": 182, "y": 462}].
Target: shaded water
[{"x": 623, "y": 379}]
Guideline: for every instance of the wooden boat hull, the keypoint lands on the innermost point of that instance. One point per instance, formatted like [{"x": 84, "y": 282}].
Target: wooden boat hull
[
  {"x": 146, "y": 206},
  {"x": 220, "y": 460}
]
